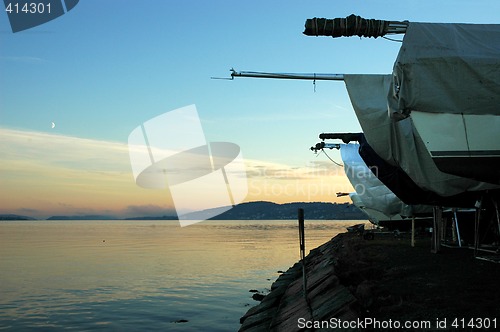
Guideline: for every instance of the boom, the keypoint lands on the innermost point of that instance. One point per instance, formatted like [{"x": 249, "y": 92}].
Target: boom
[{"x": 291, "y": 76}]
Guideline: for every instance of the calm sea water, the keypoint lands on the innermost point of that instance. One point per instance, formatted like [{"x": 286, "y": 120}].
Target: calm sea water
[{"x": 142, "y": 275}]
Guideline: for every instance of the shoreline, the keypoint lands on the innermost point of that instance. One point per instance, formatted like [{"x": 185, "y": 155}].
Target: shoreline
[{"x": 385, "y": 279}]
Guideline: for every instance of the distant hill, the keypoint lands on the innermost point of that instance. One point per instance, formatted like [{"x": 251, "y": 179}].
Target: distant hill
[
  {"x": 154, "y": 218},
  {"x": 256, "y": 211},
  {"x": 271, "y": 211},
  {"x": 88, "y": 217},
  {"x": 14, "y": 217}
]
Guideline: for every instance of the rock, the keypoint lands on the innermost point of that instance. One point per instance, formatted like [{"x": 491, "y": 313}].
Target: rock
[{"x": 258, "y": 296}]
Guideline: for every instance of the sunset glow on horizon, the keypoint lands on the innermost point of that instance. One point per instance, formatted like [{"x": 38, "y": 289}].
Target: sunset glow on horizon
[{"x": 48, "y": 174}]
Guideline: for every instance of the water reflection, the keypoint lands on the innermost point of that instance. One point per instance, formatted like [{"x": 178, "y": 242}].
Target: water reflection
[{"x": 131, "y": 274}]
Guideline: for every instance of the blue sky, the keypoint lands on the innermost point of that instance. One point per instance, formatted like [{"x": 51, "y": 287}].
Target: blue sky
[{"x": 107, "y": 66}]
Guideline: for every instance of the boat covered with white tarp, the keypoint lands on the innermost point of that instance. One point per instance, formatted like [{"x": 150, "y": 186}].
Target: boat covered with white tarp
[{"x": 372, "y": 196}]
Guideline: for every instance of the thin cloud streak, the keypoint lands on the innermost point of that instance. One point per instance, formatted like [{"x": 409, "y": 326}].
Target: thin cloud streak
[
  {"x": 47, "y": 174},
  {"x": 23, "y": 59}
]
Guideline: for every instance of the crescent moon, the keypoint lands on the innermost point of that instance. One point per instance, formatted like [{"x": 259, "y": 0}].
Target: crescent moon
[{"x": 53, "y": 125}]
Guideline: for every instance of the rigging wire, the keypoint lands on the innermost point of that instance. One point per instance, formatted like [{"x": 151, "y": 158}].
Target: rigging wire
[
  {"x": 333, "y": 161},
  {"x": 391, "y": 39}
]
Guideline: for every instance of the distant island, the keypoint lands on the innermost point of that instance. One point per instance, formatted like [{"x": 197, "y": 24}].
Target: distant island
[
  {"x": 260, "y": 210},
  {"x": 154, "y": 218},
  {"x": 14, "y": 217},
  {"x": 85, "y": 217},
  {"x": 272, "y": 211}
]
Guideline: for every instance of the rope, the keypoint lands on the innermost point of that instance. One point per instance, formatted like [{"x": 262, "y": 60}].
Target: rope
[
  {"x": 333, "y": 161},
  {"x": 391, "y": 39}
]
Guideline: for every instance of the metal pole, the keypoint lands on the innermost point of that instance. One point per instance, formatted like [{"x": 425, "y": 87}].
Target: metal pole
[
  {"x": 455, "y": 218},
  {"x": 495, "y": 204},
  {"x": 436, "y": 232},
  {"x": 478, "y": 207},
  {"x": 302, "y": 245},
  {"x": 291, "y": 76}
]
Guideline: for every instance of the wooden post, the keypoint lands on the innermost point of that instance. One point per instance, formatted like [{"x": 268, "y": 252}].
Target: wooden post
[
  {"x": 302, "y": 244},
  {"x": 413, "y": 231}
]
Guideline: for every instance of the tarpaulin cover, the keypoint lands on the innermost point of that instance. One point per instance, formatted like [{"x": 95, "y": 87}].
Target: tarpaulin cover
[
  {"x": 374, "y": 216},
  {"x": 372, "y": 192},
  {"x": 448, "y": 68},
  {"x": 405, "y": 188},
  {"x": 397, "y": 142}
]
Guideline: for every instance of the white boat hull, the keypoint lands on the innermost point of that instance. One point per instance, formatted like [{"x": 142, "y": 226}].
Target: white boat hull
[{"x": 466, "y": 145}]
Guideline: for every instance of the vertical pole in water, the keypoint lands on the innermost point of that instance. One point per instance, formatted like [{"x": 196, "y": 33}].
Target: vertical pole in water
[
  {"x": 413, "y": 231},
  {"x": 302, "y": 240}
]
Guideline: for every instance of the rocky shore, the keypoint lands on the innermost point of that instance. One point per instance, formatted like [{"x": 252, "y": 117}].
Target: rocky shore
[{"x": 379, "y": 282}]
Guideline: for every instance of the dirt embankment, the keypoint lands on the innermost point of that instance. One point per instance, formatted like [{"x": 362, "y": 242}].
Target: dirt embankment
[
  {"x": 393, "y": 280},
  {"x": 384, "y": 279}
]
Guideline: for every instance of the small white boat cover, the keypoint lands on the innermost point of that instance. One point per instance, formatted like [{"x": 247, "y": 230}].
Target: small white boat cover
[
  {"x": 371, "y": 192},
  {"x": 448, "y": 68},
  {"x": 374, "y": 216}
]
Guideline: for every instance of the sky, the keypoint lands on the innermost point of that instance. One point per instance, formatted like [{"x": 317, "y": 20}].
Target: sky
[{"x": 106, "y": 67}]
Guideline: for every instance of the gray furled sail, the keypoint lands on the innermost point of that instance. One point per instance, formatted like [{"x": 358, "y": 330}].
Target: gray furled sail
[{"x": 352, "y": 25}]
